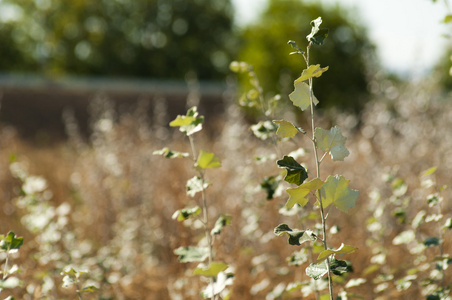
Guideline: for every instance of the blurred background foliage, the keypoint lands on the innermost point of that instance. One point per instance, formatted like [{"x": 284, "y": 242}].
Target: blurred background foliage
[
  {"x": 166, "y": 39},
  {"x": 140, "y": 38}
]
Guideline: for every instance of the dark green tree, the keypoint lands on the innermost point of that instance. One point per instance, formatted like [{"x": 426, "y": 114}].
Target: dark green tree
[
  {"x": 347, "y": 51},
  {"x": 145, "y": 38}
]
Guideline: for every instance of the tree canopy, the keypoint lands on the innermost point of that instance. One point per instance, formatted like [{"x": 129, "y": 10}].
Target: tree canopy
[
  {"x": 346, "y": 50},
  {"x": 144, "y": 38}
]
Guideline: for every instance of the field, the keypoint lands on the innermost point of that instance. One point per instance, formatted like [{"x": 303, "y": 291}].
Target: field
[{"x": 104, "y": 204}]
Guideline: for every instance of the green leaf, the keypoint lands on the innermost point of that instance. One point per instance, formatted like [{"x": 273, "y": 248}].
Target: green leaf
[
  {"x": 343, "y": 249},
  {"x": 286, "y": 129},
  {"x": 298, "y": 195},
  {"x": 447, "y": 19},
  {"x": 404, "y": 237},
  {"x": 317, "y": 35},
  {"x": 298, "y": 257},
  {"x": 222, "y": 221},
  {"x": 270, "y": 184},
  {"x": 192, "y": 254},
  {"x": 317, "y": 271},
  {"x": 166, "y": 152},
  {"x": 429, "y": 171},
  {"x": 263, "y": 130},
  {"x": 68, "y": 281},
  {"x": 10, "y": 241},
  {"x": 207, "y": 160},
  {"x": 296, "y": 173},
  {"x": 312, "y": 71},
  {"x": 336, "y": 191},
  {"x": 196, "y": 185},
  {"x": 300, "y": 97},
  {"x": 186, "y": 213},
  {"x": 296, "y": 237},
  {"x": 338, "y": 267},
  {"x": 10, "y": 283},
  {"x": 448, "y": 224},
  {"x": 90, "y": 289},
  {"x": 331, "y": 141},
  {"x": 432, "y": 241},
  {"x": 211, "y": 270},
  {"x": 190, "y": 123}
]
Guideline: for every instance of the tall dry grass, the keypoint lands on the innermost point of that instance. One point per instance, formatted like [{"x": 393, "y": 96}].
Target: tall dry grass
[{"x": 122, "y": 198}]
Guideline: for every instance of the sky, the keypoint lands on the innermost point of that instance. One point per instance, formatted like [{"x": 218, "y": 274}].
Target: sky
[{"x": 408, "y": 34}]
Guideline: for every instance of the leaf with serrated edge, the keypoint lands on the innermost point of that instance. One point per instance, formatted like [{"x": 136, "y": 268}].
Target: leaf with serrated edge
[
  {"x": 298, "y": 194},
  {"x": 207, "y": 160},
  {"x": 336, "y": 191},
  {"x": 332, "y": 141},
  {"x": 343, "y": 249},
  {"x": 211, "y": 270},
  {"x": 312, "y": 71},
  {"x": 286, "y": 129},
  {"x": 300, "y": 97}
]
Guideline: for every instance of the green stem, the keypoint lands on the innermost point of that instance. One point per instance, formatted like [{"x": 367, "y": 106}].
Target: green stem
[
  {"x": 205, "y": 213},
  {"x": 5, "y": 267},
  {"x": 317, "y": 164}
]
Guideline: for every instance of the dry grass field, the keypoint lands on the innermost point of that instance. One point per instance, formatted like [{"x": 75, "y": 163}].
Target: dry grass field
[{"x": 106, "y": 203}]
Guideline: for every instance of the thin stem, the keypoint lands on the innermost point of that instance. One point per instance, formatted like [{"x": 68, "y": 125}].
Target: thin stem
[
  {"x": 205, "y": 214},
  {"x": 317, "y": 164},
  {"x": 5, "y": 267}
]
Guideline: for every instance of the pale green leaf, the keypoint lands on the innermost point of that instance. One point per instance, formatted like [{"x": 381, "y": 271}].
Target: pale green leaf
[
  {"x": 222, "y": 221},
  {"x": 312, "y": 71},
  {"x": 331, "y": 141},
  {"x": 192, "y": 254},
  {"x": 336, "y": 191},
  {"x": 186, "y": 213},
  {"x": 166, "y": 152},
  {"x": 296, "y": 236},
  {"x": 343, "y": 249},
  {"x": 298, "y": 195},
  {"x": 263, "y": 130},
  {"x": 68, "y": 281},
  {"x": 190, "y": 123},
  {"x": 447, "y": 19},
  {"x": 355, "y": 282},
  {"x": 317, "y": 35},
  {"x": 301, "y": 95},
  {"x": 317, "y": 271},
  {"x": 207, "y": 160},
  {"x": 286, "y": 129},
  {"x": 211, "y": 270},
  {"x": 429, "y": 171},
  {"x": 90, "y": 288},
  {"x": 217, "y": 286},
  {"x": 404, "y": 237},
  {"x": 10, "y": 283},
  {"x": 196, "y": 185}
]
